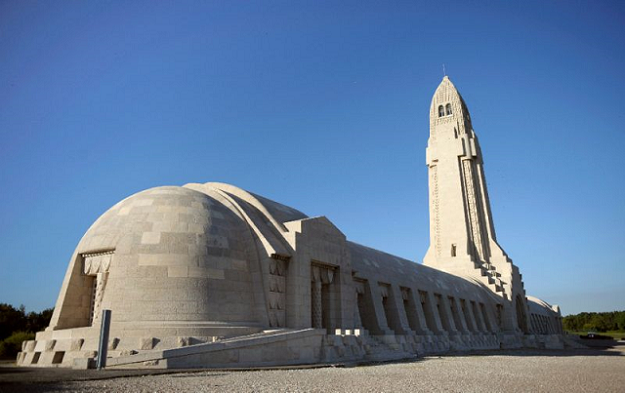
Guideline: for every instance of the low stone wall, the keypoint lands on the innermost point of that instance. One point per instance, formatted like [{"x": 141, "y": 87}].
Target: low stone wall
[{"x": 275, "y": 348}]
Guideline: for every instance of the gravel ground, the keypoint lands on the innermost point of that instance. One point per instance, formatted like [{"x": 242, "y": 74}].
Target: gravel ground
[{"x": 503, "y": 371}]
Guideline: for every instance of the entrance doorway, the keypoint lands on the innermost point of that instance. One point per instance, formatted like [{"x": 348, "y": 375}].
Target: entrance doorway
[{"x": 323, "y": 291}]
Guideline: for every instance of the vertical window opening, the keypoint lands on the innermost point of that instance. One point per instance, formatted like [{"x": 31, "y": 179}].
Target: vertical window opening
[
  {"x": 489, "y": 327},
  {"x": 388, "y": 305},
  {"x": 441, "y": 312},
  {"x": 453, "y": 250},
  {"x": 441, "y": 111},
  {"x": 95, "y": 273},
  {"x": 448, "y": 109},
  {"x": 411, "y": 309},
  {"x": 499, "y": 314},
  {"x": 455, "y": 313},
  {"x": 429, "y": 316},
  {"x": 323, "y": 306},
  {"x": 478, "y": 319},
  {"x": 365, "y": 307},
  {"x": 94, "y": 290},
  {"x": 326, "y": 307},
  {"x": 58, "y": 357}
]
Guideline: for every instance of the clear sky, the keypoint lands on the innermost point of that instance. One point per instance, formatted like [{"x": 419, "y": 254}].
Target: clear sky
[{"x": 322, "y": 106}]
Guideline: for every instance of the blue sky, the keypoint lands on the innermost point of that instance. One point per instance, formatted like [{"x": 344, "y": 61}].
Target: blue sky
[{"x": 322, "y": 106}]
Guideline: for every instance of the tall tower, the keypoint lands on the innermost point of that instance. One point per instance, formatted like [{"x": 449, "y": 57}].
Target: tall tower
[{"x": 462, "y": 234}]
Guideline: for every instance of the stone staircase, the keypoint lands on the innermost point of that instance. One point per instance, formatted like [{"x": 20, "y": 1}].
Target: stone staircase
[{"x": 490, "y": 277}]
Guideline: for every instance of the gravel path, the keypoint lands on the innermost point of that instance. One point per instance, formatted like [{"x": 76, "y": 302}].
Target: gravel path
[{"x": 510, "y": 371}]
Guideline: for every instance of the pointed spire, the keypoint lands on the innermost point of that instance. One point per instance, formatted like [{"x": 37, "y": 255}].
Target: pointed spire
[{"x": 447, "y": 95}]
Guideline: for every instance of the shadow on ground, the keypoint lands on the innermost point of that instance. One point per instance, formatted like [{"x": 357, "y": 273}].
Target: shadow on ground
[{"x": 606, "y": 348}]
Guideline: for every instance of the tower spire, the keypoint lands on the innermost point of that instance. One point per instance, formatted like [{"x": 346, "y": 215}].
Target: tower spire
[{"x": 462, "y": 234}]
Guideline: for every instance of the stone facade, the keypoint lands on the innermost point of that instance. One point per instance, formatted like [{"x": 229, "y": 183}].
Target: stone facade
[{"x": 210, "y": 275}]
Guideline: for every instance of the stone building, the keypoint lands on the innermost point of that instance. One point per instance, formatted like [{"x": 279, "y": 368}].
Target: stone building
[{"x": 210, "y": 275}]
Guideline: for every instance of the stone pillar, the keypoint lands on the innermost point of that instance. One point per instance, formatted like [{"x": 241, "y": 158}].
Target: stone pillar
[
  {"x": 398, "y": 312},
  {"x": 460, "y": 316},
  {"x": 378, "y": 309},
  {"x": 357, "y": 319},
  {"x": 445, "y": 314},
  {"x": 491, "y": 314},
  {"x": 509, "y": 319},
  {"x": 415, "y": 301},
  {"x": 479, "y": 317},
  {"x": 468, "y": 312},
  {"x": 100, "y": 283},
  {"x": 430, "y": 303},
  {"x": 317, "y": 307},
  {"x": 332, "y": 311},
  {"x": 488, "y": 320}
]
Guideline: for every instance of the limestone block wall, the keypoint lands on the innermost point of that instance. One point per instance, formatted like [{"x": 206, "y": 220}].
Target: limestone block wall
[
  {"x": 319, "y": 276},
  {"x": 183, "y": 268},
  {"x": 397, "y": 297},
  {"x": 543, "y": 317},
  {"x": 165, "y": 254}
]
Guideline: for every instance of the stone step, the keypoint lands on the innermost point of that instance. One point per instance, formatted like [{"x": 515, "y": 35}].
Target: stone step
[{"x": 493, "y": 282}]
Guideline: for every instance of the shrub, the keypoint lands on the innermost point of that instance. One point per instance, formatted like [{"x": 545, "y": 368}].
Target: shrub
[{"x": 10, "y": 346}]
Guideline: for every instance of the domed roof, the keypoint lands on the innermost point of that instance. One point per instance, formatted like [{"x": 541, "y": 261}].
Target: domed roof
[
  {"x": 159, "y": 210},
  {"x": 265, "y": 217},
  {"x": 172, "y": 254},
  {"x": 539, "y": 306}
]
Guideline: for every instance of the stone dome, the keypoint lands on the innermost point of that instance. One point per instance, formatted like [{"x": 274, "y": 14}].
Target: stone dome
[{"x": 164, "y": 254}]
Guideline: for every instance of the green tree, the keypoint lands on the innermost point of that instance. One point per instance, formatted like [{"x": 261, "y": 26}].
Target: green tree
[
  {"x": 620, "y": 320},
  {"x": 37, "y": 321},
  {"x": 17, "y": 326},
  {"x": 600, "y": 322},
  {"x": 11, "y": 320}
]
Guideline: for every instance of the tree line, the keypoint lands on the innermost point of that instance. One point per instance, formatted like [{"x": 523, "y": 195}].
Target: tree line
[
  {"x": 16, "y": 325},
  {"x": 595, "y": 321}
]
